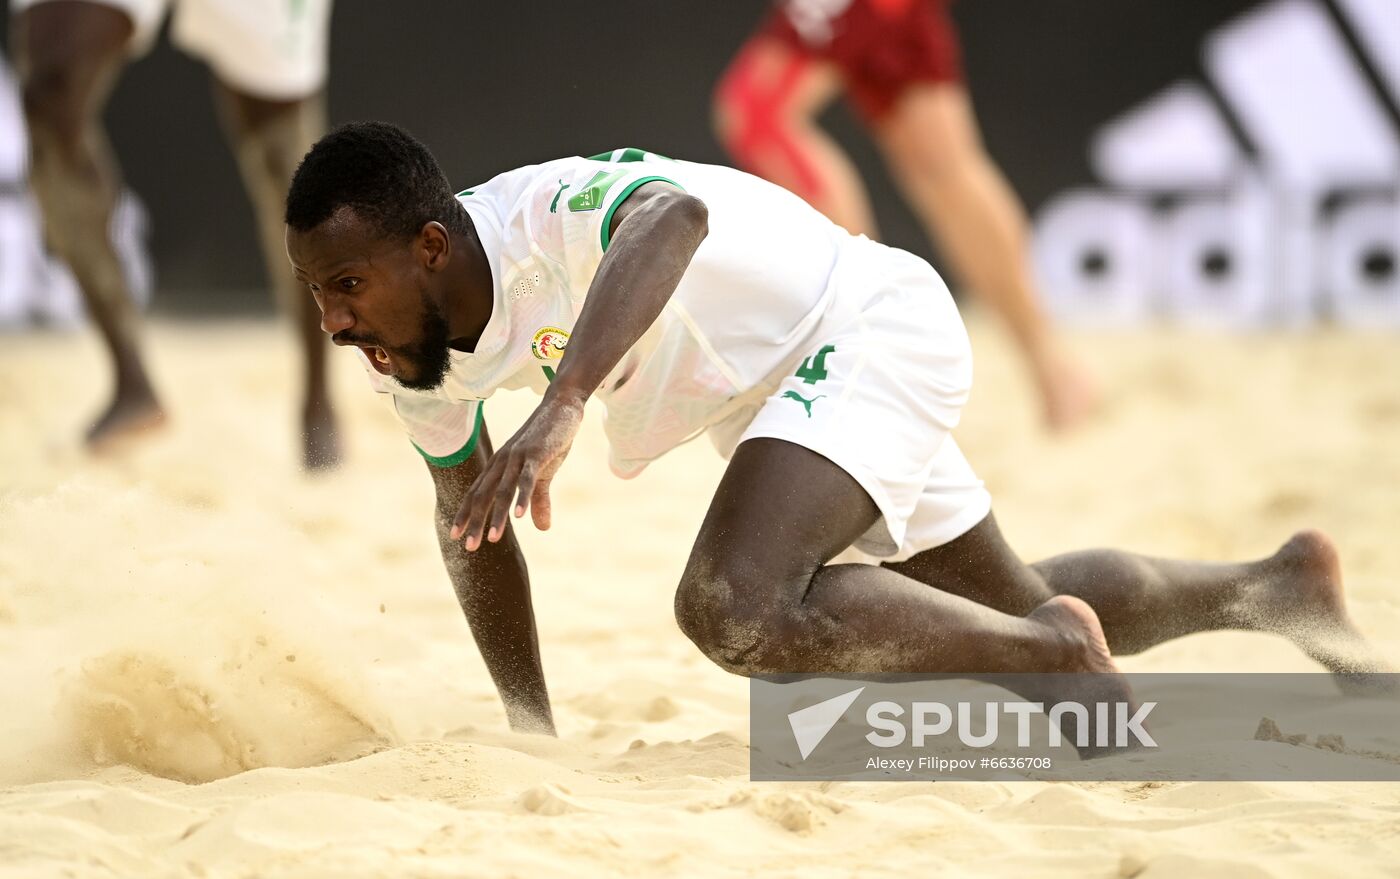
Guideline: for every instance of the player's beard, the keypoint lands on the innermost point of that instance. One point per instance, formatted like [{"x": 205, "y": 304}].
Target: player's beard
[{"x": 428, "y": 360}]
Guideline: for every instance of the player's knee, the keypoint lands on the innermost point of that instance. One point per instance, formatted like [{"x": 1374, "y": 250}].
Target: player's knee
[
  {"x": 270, "y": 153},
  {"x": 735, "y": 617},
  {"x": 731, "y": 636},
  {"x": 55, "y": 105},
  {"x": 704, "y": 607}
]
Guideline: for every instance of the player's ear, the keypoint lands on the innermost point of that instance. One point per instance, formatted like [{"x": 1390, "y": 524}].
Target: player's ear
[{"x": 434, "y": 245}]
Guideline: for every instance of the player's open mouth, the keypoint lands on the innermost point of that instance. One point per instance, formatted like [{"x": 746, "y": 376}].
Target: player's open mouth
[{"x": 379, "y": 359}]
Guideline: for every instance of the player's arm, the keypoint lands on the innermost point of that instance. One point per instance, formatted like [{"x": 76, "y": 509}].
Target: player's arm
[
  {"x": 654, "y": 234},
  {"x": 493, "y": 588}
]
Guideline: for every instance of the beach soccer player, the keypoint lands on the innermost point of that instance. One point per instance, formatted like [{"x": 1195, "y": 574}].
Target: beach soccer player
[
  {"x": 269, "y": 63},
  {"x": 899, "y": 63},
  {"x": 829, "y": 369}
]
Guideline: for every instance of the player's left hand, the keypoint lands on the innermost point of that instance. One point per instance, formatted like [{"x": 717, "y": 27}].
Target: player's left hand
[{"x": 523, "y": 467}]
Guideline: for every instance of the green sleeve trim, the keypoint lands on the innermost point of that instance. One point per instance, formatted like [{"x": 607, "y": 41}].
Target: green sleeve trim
[
  {"x": 622, "y": 196},
  {"x": 462, "y": 454}
]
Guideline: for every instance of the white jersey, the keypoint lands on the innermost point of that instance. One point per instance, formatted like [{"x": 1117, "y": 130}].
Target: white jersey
[{"x": 751, "y": 300}]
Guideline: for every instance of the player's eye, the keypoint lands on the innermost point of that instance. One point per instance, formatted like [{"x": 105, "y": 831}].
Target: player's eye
[{"x": 349, "y": 283}]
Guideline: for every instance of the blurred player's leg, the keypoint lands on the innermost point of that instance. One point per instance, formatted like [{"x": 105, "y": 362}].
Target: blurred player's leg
[
  {"x": 931, "y": 142},
  {"x": 69, "y": 53},
  {"x": 269, "y": 58},
  {"x": 269, "y": 138},
  {"x": 765, "y": 110},
  {"x": 1143, "y": 601}
]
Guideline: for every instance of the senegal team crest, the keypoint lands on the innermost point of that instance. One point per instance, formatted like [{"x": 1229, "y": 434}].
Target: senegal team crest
[{"x": 549, "y": 343}]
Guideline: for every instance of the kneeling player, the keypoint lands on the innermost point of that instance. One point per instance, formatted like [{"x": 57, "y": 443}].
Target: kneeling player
[{"x": 831, "y": 370}]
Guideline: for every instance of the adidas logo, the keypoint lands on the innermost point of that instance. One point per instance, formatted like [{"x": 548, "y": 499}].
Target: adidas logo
[{"x": 1268, "y": 194}]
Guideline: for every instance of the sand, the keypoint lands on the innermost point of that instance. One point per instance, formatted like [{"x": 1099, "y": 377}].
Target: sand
[{"x": 216, "y": 666}]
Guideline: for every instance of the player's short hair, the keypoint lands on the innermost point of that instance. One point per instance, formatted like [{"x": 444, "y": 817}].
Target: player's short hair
[{"x": 382, "y": 173}]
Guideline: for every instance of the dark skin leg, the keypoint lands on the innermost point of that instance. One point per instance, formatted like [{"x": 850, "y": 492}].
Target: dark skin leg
[
  {"x": 269, "y": 138},
  {"x": 1142, "y": 601},
  {"x": 69, "y": 54},
  {"x": 758, "y": 595}
]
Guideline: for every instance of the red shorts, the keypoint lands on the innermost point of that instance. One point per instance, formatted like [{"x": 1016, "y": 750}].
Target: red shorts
[{"x": 881, "y": 47}]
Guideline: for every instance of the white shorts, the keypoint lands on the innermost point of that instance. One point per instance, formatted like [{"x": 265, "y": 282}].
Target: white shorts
[
  {"x": 879, "y": 394},
  {"x": 270, "y": 49}
]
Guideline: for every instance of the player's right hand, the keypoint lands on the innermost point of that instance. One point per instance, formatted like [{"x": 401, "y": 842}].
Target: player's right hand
[{"x": 523, "y": 467}]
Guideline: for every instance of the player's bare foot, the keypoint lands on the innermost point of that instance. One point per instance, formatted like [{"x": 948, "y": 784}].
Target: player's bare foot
[
  {"x": 129, "y": 416},
  {"x": 1088, "y": 674},
  {"x": 320, "y": 438},
  {"x": 1300, "y": 597},
  {"x": 1075, "y": 622}
]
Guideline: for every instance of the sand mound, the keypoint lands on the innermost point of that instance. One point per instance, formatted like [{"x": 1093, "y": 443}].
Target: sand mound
[
  {"x": 141, "y": 709},
  {"x": 138, "y": 651}
]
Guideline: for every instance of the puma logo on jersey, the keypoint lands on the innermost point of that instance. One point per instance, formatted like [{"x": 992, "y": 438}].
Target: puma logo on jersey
[
  {"x": 806, "y": 403},
  {"x": 554, "y": 205}
]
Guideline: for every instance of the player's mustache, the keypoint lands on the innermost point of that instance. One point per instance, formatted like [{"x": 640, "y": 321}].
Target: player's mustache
[{"x": 346, "y": 339}]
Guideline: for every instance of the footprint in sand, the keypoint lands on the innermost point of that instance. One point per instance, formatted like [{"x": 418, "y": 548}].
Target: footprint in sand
[
  {"x": 393, "y": 554},
  {"x": 794, "y": 812},
  {"x": 627, "y": 707},
  {"x": 719, "y": 755},
  {"x": 1379, "y": 411},
  {"x": 550, "y": 800},
  {"x": 1287, "y": 503},
  {"x": 143, "y": 710}
]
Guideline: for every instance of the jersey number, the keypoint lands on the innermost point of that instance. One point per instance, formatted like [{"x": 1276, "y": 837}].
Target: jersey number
[{"x": 813, "y": 369}]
